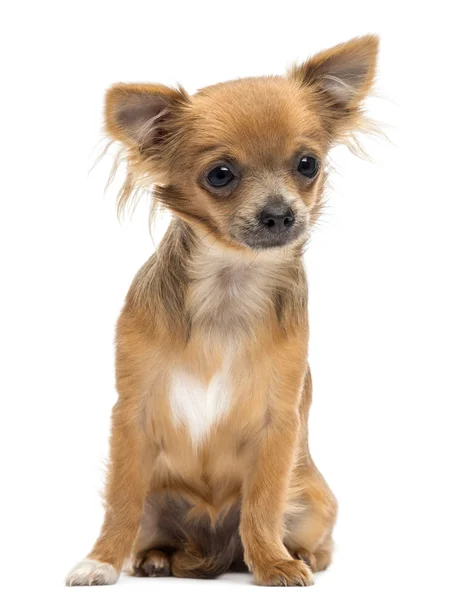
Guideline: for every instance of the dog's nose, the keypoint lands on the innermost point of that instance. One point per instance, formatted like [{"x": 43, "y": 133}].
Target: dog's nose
[{"x": 277, "y": 217}]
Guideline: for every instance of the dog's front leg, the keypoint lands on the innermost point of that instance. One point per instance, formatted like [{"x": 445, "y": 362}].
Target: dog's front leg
[
  {"x": 128, "y": 480},
  {"x": 264, "y": 496}
]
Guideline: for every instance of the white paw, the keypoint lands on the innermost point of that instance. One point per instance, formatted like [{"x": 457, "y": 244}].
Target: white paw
[{"x": 92, "y": 572}]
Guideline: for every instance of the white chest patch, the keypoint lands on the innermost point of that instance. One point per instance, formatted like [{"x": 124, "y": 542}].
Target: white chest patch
[{"x": 199, "y": 406}]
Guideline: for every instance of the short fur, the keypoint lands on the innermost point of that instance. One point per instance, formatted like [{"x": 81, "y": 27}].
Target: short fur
[{"x": 209, "y": 467}]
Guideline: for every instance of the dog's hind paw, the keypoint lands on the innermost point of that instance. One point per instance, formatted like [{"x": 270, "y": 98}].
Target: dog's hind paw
[
  {"x": 92, "y": 572},
  {"x": 152, "y": 564}
]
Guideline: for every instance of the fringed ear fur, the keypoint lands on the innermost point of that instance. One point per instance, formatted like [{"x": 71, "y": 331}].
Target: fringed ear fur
[
  {"x": 340, "y": 79},
  {"x": 144, "y": 118}
]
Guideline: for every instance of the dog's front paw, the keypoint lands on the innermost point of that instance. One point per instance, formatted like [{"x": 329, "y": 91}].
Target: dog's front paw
[
  {"x": 283, "y": 573},
  {"x": 92, "y": 572}
]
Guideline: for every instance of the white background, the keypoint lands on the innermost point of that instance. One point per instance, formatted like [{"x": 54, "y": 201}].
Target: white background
[{"x": 385, "y": 268}]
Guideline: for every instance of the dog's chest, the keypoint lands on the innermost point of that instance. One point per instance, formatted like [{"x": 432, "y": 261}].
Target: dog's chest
[
  {"x": 197, "y": 404},
  {"x": 226, "y": 300}
]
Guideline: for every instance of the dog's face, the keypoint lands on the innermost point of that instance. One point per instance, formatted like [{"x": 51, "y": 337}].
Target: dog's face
[
  {"x": 256, "y": 154},
  {"x": 244, "y": 161}
]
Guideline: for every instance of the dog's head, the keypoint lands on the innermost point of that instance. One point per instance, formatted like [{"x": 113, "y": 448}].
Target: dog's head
[{"x": 245, "y": 160}]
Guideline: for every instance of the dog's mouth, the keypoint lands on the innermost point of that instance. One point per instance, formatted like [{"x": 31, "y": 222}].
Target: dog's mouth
[{"x": 261, "y": 237}]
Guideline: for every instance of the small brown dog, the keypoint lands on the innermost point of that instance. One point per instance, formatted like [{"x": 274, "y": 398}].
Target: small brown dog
[{"x": 210, "y": 468}]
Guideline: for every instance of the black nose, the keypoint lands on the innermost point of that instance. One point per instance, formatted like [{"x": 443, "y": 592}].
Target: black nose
[{"x": 277, "y": 217}]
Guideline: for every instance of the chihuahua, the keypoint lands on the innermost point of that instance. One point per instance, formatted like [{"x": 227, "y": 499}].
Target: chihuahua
[{"x": 209, "y": 465}]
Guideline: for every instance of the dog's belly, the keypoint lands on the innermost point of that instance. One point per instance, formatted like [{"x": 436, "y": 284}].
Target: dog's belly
[
  {"x": 169, "y": 522},
  {"x": 200, "y": 405}
]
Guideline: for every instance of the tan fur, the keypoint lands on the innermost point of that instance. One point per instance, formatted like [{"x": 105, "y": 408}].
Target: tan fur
[{"x": 247, "y": 493}]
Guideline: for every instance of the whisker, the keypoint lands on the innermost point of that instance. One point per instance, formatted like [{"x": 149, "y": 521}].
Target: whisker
[{"x": 255, "y": 257}]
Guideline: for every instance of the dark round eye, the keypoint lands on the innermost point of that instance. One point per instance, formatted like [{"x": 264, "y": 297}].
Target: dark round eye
[
  {"x": 308, "y": 166},
  {"x": 220, "y": 176}
]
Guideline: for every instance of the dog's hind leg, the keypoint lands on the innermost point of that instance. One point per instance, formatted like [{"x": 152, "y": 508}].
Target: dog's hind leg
[
  {"x": 310, "y": 520},
  {"x": 312, "y": 507}
]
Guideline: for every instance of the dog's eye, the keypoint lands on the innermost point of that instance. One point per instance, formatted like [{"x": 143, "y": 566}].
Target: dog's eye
[
  {"x": 220, "y": 176},
  {"x": 308, "y": 166}
]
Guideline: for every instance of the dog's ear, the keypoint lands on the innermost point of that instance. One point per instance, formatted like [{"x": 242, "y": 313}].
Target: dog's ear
[
  {"x": 340, "y": 78},
  {"x": 142, "y": 116}
]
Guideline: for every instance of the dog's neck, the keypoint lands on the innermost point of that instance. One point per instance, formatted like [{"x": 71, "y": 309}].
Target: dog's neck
[
  {"x": 217, "y": 291},
  {"x": 232, "y": 290}
]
